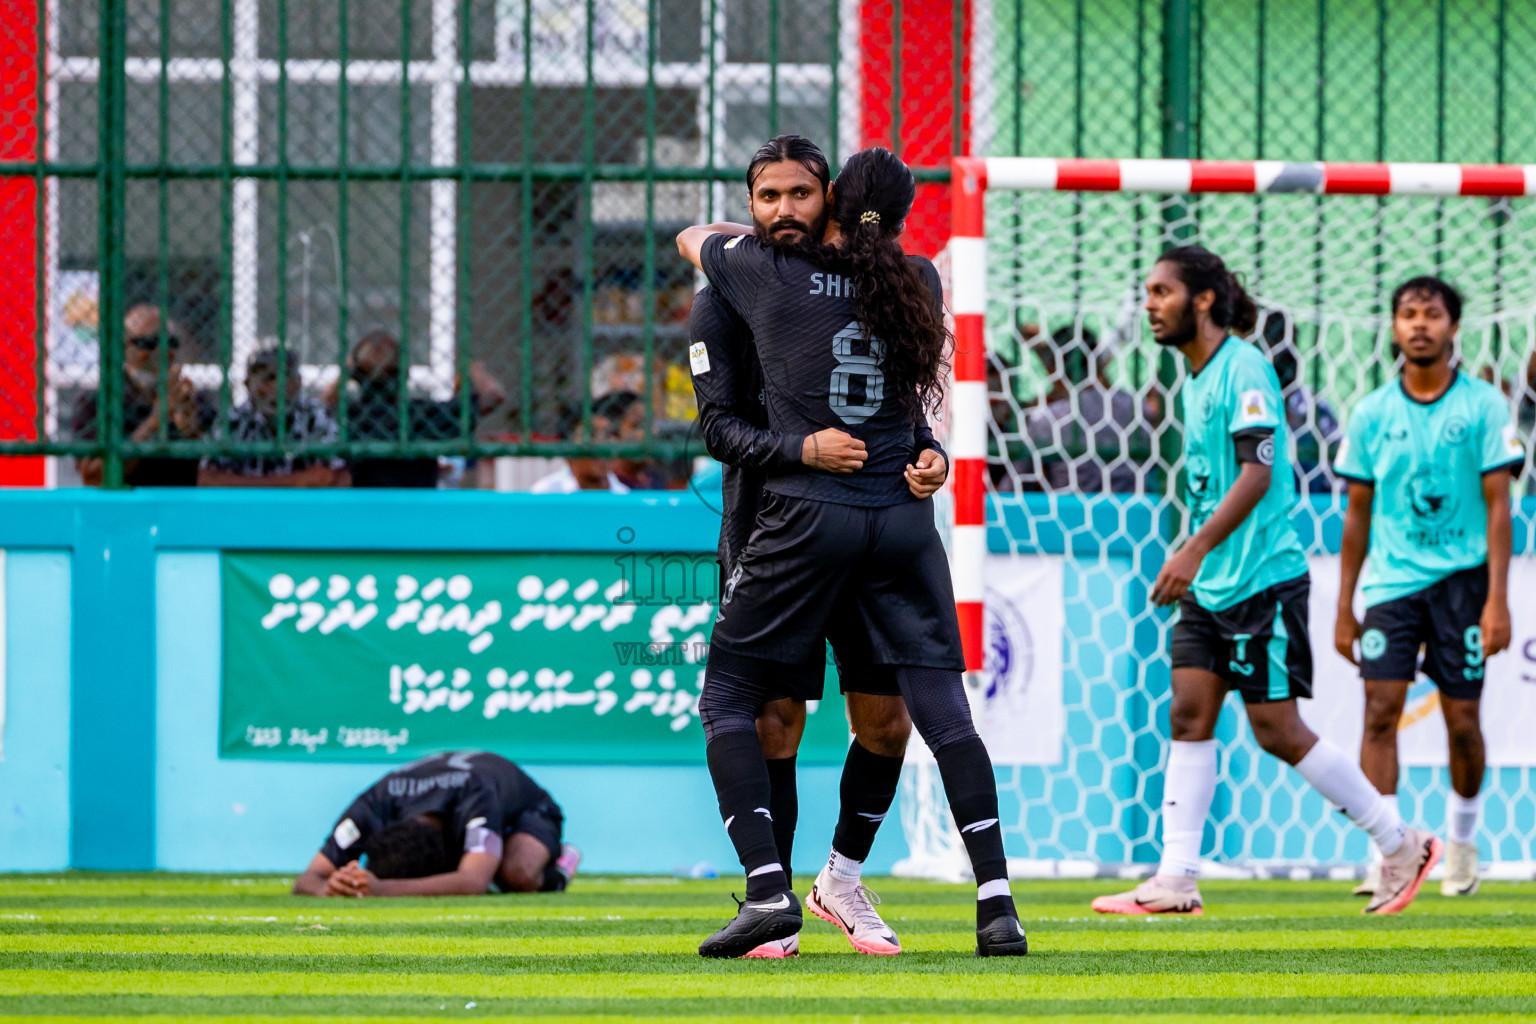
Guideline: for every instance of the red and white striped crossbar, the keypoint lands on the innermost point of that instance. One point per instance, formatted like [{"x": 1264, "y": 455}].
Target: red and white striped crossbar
[
  {"x": 1251, "y": 176},
  {"x": 968, "y": 283}
]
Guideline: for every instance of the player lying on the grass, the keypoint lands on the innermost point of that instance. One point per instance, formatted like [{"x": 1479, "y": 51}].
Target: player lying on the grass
[
  {"x": 850, "y": 334},
  {"x": 1429, "y": 459},
  {"x": 453, "y": 824},
  {"x": 1241, "y": 584},
  {"x": 786, "y": 193}
]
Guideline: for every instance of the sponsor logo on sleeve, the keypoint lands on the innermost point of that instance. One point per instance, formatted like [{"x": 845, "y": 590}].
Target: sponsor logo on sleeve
[
  {"x": 479, "y": 839},
  {"x": 346, "y": 834},
  {"x": 1253, "y": 407},
  {"x": 734, "y": 242},
  {"x": 1342, "y": 459},
  {"x": 698, "y": 357},
  {"x": 1512, "y": 443}
]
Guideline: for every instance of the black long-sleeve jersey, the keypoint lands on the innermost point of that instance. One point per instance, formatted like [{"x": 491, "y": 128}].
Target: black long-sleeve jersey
[
  {"x": 818, "y": 369},
  {"x": 733, "y": 417},
  {"x": 480, "y": 798}
]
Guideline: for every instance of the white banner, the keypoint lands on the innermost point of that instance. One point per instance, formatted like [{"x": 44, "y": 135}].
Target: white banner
[
  {"x": 1016, "y": 699},
  {"x": 1509, "y": 691}
]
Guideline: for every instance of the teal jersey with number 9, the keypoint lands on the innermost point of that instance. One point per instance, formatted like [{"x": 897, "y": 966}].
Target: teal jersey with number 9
[
  {"x": 1237, "y": 392},
  {"x": 1426, "y": 461}
]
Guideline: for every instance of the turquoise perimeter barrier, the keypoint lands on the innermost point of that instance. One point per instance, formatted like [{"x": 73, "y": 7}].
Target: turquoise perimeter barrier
[{"x": 112, "y": 655}]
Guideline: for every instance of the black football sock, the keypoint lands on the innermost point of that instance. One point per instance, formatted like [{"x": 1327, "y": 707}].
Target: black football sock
[
  {"x": 740, "y": 774},
  {"x": 972, "y": 791},
  {"x": 784, "y": 805},
  {"x": 867, "y": 790},
  {"x": 555, "y": 880}
]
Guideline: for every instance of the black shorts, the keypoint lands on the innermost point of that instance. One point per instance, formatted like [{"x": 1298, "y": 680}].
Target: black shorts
[
  {"x": 545, "y": 822},
  {"x": 1445, "y": 619},
  {"x": 851, "y": 653},
  {"x": 816, "y": 569},
  {"x": 1259, "y": 646}
]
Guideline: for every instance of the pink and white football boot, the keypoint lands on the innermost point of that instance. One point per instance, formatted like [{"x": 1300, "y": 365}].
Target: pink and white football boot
[{"x": 850, "y": 907}]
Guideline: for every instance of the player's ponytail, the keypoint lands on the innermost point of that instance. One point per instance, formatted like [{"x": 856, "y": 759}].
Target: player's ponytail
[
  {"x": 1202, "y": 270},
  {"x": 870, "y": 201}
]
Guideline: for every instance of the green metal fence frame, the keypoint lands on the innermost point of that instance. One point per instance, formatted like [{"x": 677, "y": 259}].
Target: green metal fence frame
[{"x": 1178, "y": 47}]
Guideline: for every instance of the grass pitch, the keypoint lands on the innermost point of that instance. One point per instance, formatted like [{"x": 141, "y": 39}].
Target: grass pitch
[{"x": 215, "y": 948}]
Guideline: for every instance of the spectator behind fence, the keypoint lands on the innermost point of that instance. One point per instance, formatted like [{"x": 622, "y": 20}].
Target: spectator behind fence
[
  {"x": 373, "y": 413},
  {"x": 255, "y": 419},
  {"x": 1003, "y": 438},
  {"x": 1312, "y": 421},
  {"x": 584, "y": 472},
  {"x": 1087, "y": 432},
  {"x": 1525, "y": 412},
  {"x": 1525, "y": 407},
  {"x": 186, "y": 414},
  {"x": 623, "y": 416}
]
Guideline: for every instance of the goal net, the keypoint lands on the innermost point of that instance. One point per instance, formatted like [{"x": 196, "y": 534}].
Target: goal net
[{"x": 1065, "y": 427}]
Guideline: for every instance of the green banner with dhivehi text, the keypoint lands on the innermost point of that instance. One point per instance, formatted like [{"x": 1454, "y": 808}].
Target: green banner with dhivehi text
[{"x": 553, "y": 658}]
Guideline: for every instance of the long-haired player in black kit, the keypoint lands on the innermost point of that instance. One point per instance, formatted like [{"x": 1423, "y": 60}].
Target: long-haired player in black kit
[
  {"x": 850, "y": 334},
  {"x": 787, "y": 195}
]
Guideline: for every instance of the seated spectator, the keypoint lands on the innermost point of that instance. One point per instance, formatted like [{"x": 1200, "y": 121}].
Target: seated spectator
[
  {"x": 1525, "y": 399},
  {"x": 449, "y": 825},
  {"x": 1004, "y": 442},
  {"x": 1313, "y": 423},
  {"x": 1089, "y": 434},
  {"x": 1525, "y": 413},
  {"x": 584, "y": 472},
  {"x": 672, "y": 402},
  {"x": 621, "y": 415},
  {"x": 256, "y": 420},
  {"x": 374, "y": 414},
  {"x": 580, "y": 473},
  {"x": 186, "y": 414}
]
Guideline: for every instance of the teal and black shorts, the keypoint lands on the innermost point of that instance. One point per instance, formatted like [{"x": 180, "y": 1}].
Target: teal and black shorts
[
  {"x": 1259, "y": 646},
  {"x": 1445, "y": 620}
]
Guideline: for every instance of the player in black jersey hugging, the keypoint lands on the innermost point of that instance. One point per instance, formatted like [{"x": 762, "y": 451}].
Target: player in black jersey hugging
[
  {"x": 866, "y": 358},
  {"x": 449, "y": 825},
  {"x": 786, "y": 186}
]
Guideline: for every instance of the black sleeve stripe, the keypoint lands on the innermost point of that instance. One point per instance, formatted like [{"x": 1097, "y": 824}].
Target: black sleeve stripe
[
  {"x": 1512, "y": 466},
  {"x": 1355, "y": 479}
]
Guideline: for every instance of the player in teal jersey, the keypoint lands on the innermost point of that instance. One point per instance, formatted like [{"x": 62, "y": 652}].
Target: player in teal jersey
[
  {"x": 1428, "y": 460},
  {"x": 1241, "y": 583}
]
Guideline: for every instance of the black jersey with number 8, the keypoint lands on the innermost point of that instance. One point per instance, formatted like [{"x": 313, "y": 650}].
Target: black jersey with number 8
[{"x": 819, "y": 368}]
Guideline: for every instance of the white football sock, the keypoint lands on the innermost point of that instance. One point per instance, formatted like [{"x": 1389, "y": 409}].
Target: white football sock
[
  {"x": 845, "y": 869},
  {"x": 1461, "y": 817},
  {"x": 1342, "y": 783},
  {"x": 1189, "y": 786},
  {"x": 1389, "y": 802}
]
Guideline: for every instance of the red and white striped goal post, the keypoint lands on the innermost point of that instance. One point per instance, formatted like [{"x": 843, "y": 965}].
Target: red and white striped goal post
[{"x": 974, "y": 176}]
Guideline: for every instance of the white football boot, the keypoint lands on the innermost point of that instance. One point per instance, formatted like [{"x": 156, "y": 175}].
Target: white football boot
[
  {"x": 1371, "y": 881},
  {"x": 850, "y": 907},
  {"x": 1461, "y": 877},
  {"x": 1154, "y": 896},
  {"x": 775, "y": 949}
]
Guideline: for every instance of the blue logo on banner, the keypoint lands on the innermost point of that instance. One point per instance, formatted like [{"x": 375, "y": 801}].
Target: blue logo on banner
[{"x": 1010, "y": 655}]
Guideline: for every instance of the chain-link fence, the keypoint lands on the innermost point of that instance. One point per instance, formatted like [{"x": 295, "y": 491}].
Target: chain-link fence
[
  {"x": 307, "y": 241},
  {"x": 1335, "y": 80}
]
